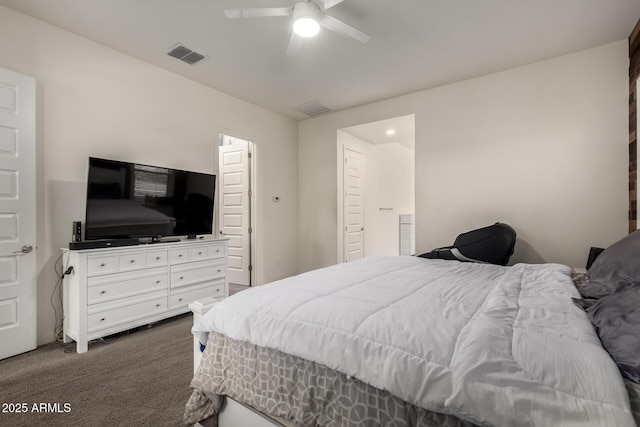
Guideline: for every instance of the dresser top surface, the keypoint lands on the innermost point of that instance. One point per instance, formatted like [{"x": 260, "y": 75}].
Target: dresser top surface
[{"x": 151, "y": 246}]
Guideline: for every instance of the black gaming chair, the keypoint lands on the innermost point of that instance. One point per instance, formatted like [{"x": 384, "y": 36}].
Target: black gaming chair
[{"x": 493, "y": 245}]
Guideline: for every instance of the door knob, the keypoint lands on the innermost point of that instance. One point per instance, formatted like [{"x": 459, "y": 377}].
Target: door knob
[{"x": 25, "y": 249}]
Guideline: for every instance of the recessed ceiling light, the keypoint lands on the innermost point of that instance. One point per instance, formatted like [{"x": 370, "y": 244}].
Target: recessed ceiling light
[{"x": 390, "y": 132}]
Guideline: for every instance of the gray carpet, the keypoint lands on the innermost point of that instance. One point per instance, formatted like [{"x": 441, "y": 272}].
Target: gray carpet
[{"x": 139, "y": 378}]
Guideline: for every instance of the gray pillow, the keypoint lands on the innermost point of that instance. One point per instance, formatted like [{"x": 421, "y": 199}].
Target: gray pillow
[
  {"x": 618, "y": 265},
  {"x": 616, "y": 318}
]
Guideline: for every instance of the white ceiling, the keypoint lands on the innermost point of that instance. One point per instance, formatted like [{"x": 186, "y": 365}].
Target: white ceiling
[
  {"x": 376, "y": 132},
  {"x": 415, "y": 45}
]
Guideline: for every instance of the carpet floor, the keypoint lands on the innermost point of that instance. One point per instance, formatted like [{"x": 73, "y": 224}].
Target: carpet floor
[{"x": 137, "y": 378}]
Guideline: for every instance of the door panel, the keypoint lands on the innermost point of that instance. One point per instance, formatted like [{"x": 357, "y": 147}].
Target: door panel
[
  {"x": 234, "y": 210},
  {"x": 17, "y": 214},
  {"x": 353, "y": 205}
]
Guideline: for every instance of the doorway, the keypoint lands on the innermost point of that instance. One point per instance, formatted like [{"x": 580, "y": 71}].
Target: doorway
[
  {"x": 376, "y": 189},
  {"x": 236, "y": 207}
]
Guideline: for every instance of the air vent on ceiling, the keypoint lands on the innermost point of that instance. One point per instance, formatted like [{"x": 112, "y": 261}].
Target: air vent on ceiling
[
  {"x": 313, "y": 109},
  {"x": 185, "y": 54}
]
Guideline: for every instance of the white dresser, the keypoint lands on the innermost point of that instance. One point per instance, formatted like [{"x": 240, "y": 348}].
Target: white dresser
[{"x": 114, "y": 289}]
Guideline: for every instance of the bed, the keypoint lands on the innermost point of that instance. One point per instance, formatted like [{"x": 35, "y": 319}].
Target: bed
[{"x": 410, "y": 341}]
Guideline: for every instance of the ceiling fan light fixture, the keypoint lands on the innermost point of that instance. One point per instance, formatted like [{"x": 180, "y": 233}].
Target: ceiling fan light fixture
[
  {"x": 305, "y": 19},
  {"x": 306, "y": 27}
]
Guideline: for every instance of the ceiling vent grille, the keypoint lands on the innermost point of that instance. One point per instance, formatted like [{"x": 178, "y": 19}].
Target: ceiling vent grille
[
  {"x": 185, "y": 54},
  {"x": 313, "y": 109}
]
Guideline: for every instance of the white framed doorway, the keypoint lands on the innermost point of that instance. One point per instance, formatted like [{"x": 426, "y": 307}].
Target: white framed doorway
[
  {"x": 376, "y": 187},
  {"x": 236, "y": 206}
]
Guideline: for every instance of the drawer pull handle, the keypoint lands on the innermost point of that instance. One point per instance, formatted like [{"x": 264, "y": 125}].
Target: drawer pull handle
[
  {"x": 132, "y": 261},
  {"x": 103, "y": 319},
  {"x": 157, "y": 305},
  {"x": 199, "y": 253},
  {"x": 179, "y": 255},
  {"x": 157, "y": 282},
  {"x": 179, "y": 299},
  {"x": 103, "y": 292},
  {"x": 103, "y": 265},
  {"x": 157, "y": 258},
  {"x": 181, "y": 277},
  {"x": 219, "y": 270}
]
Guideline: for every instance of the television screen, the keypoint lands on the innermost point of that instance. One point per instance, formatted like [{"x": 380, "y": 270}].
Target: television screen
[{"x": 126, "y": 200}]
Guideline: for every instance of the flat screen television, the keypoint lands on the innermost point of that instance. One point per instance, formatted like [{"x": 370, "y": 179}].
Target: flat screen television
[{"x": 131, "y": 200}]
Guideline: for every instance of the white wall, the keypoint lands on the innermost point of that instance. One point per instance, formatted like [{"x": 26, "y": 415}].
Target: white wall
[
  {"x": 542, "y": 147},
  {"x": 94, "y": 101}
]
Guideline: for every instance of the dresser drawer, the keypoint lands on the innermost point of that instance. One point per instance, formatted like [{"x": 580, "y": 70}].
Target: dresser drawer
[
  {"x": 179, "y": 255},
  {"x": 130, "y": 310},
  {"x": 126, "y": 275},
  {"x": 125, "y": 288},
  {"x": 156, "y": 258},
  {"x": 193, "y": 293},
  {"x": 216, "y": 250},
  {"x": 198, "y": 253},
  {"x": 132, "y": 261},
  {"x": 195, "y": 275},
  {"x": 102, "y": 264}
]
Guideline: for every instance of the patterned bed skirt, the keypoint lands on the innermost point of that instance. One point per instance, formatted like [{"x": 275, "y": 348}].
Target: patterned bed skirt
[{"x": 290, "y": 388}]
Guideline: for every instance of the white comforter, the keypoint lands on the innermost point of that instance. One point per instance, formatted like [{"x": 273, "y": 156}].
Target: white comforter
[{"x": 494, "y": 345}]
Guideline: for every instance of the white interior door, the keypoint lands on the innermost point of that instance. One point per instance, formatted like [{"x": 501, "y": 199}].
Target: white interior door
[
  {"x": 234, "y": 207},
  {"x": 353, "y": 207},
  {"x": 17, "y": 214}
]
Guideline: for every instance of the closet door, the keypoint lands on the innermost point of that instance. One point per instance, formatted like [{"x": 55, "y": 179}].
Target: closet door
[{"x": 17, "y": 214}]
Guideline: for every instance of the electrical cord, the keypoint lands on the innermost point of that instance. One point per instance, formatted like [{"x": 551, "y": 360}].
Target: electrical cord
[{"x": 58, "y": 329}]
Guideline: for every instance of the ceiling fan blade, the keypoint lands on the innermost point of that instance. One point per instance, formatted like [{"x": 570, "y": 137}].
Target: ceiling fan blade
[
  {"x": 295, "y": 44},
  {"x": 258, "y": 12},
  {"x": 326, "y": 4},
  {"x": 337, "y": 26}
]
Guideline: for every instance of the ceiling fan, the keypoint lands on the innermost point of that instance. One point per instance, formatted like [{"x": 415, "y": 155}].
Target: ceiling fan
[{"x": 308, "y": 17}]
